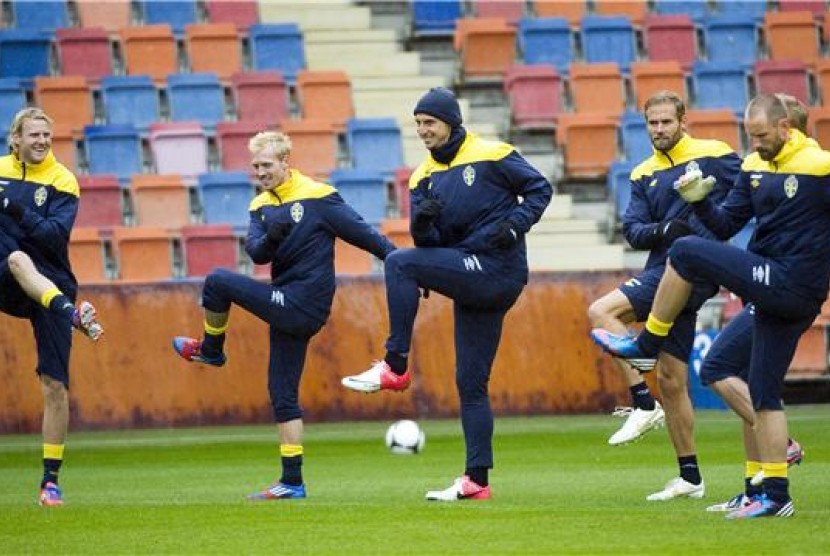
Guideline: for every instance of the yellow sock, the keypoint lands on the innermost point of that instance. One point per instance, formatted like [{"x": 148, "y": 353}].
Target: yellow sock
[
  {"x": 215, "y": 330},
  {"x": 49, "y": 295},
  {"x": 751, "y": 468},
  {"x": 775, "y": 470},
  {"x": 53, "y": 451},
  {"x": 658, "y": 327},
  {"x": 291, "y": 450}
]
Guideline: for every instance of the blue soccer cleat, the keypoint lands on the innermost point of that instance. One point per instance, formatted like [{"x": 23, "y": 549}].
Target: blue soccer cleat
[
  {"x": 51, "y": 495},
  {"x": 279, "y": 491},
  {"x": 190, "y": 349},
  {"x": 763, "y": 506},
  {"x": 624, "y": 347}
]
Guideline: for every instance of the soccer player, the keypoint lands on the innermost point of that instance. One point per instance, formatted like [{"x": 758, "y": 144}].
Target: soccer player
[
  {"x": 473, "y": 201},
  {"x": 655, "y": 218},
  {"x": 38, "y": 204},
  {"x": 294, "y": 223},
  {"x": 785, "y": 272}
]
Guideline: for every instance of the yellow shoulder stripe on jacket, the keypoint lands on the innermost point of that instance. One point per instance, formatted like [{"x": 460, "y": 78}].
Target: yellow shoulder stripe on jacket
[
  {"x": 688, "y": 148},
  {"x": 473, "y": 149},
  {"x": 297, "y": 188},
  {"x": 799, "y": 155},
  {"x": 50, "y": 173}
]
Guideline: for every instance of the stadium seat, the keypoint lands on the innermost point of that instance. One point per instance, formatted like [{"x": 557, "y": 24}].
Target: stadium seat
[
  {"x": 535, "y": 96},
  {"x": 486, "y": 49},
  {"x": 364, "y": 190},
  {"x": 215, "y": 48},
  {"x": 510, "y": 10},
  {"x": 720, "y": 85},
  {"x": 608, "y": 39},
  {"x": 130, "y": 99},
  {"x": 397, "y": 231},
  {"x": 277, "y": 47},
  {"x": 597, "y": 88},
  {"x": 325, "y": 95},
  {"x": 25, "y": 53},
  {"x": 816, "y": 7},
  {"x": 546, "y": 40},
  {"x": 12, "y": 100},
  {"x": 433, "y": 17},
  {"x": 400, "y": 190},
  {"x": 618, "y": 183},
  {"x": 349, "y": 259},
  {"x": 752, "y": 9},
  {"x": 151, "y": 50},
  {"x": 649, "y": 77},
  {"x": 179, "y": 148},
  {"x": 722, "y": 125},
  {"x": 160, "y": 200},
  {"x": 225, "y": 197},
  {"x": 783, "y": 76},
  {"x": 84, "y": 51},
  {"x": 87, "y": 254},
  {"x": 39, "y": 15},
  {"x": 232, "y": 140},
  {"x": 196, "y": 97},
  {"x": 113, "y": 149},
  {"x": 670, "y": 38},
  {"x": 696, "y": 9},
  {"x": 792, "y": 35},
  {"x": 242, "y": 13},
  {"x": 101, "y": 201},
  {"x": 64, "y": 147},
  {"x": 810, "y": 359},
  {"x": 208, "y": 247},
  {"x": 67, "y": 99},
  {"x": 572, "y": 11},
  {"x": 375, "y": 144},
  {"x": 144, "y": 254},
  {"x": 635, "y": 10},
  {"x": 112, "y": 15},
  {"x": 176, "y": 13},
  {"x": 314, "y": 146},
  {"x": 731, "y": 38},
  {"x": 589, "y": 143},
  {"x": 819, "y": 123},
  {"x": 822, "y": 76},
  {"x": 261, "y": 97},
  {"x": 636, "y": 143}
]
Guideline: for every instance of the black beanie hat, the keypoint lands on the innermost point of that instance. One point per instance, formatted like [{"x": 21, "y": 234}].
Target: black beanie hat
[{"x": 441, "y": 103}]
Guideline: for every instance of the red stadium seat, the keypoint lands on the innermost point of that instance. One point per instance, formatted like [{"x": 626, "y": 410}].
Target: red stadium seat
[
  {"x": 261, "y": 97},
  {"x": 101, "y": 201},
  {"x": 207, "y": 247},
  {"x": 535, "y": 95}
]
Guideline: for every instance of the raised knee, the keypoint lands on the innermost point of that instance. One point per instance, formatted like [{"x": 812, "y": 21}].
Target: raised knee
[{"x": 597, "y": 314}]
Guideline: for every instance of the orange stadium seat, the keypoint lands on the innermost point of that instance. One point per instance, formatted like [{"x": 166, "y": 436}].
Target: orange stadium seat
[
  {"x": 261, "y": 97},
  {"x": 214, "y": 47},
  {"x": 589, "y": 142},
  {"x": 84, "y": 51},
  {"x": 635, "y": 10},
  {"x": 67, "y": 99},
  {"x": 63, "y": 146},
  {"x": 143, "y": 254},
  {"x": 819, "y": 122},
  {"x": 649, "y": 77},
  {"x": 325, "y": 95},
  {"x": 715, "y": 124},
  {"x": 207, "y": 247},
  {"x": 822, "y": 75},
  {"x": 314, "y": 146},
  {"x": 487, "y": 49},
  {"x": 87, "y": 255},
  {"x": 597, "y": 88},
  {"x": 151, "y": 50},
  {"x": 111, "y": 15},
  {"x": 792, "y": 35},
  {"x": 509, "y": 10},
  {"x": 810, "y": 359},
  {"x": 101, "y": 201},
  {"x": 349, "y": 259},
  {"x": 397, "y": 230},
  {"x": 573, "y": 11},
  {"x": 160, "y": 200}
]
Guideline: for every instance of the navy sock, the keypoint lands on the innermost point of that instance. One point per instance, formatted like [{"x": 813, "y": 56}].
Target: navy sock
[
  {"x": 649, "y": 343},
  {"x": 479, "y": 475},
  {"x": 641, "y": 397},
  {"x": 689, "y": 471},
  {"x": 777, "y": 489},
  {"x": 62, "y": 305},
  {"x": 213, "y": 344},
  {"x": 750, "y": 489},
  {"x": 51, "y": 467},
  {"x": 396, "y": 362},
  {"x": 292, "y": 470}
]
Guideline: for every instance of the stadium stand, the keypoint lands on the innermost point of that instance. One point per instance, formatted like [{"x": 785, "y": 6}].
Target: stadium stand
[
  {"x": 113, "y": 149},
  {"x": 375, "y": 143},
  {"x": 608, "y": 39},
  {"x": 535, "y": 93},
  {"x": 101, "y": 203},
  {"x": 179, "y": 148},
  {"x": 649, "y": 77},
  {"x": 151, "y": 50},
  {"x": 670, "y": 38},
  {"x": 25, "y": 53},
  {"x": 87, "y": 255},
  {"x": 130, "y": 99},
  {"x": 783, "y": 76},
  {"x": 731, "y": 38},
  {"x": 260, "y": 97},
  {"x": 208, "y": 247},
  {"x": 160, "y": 200},
  {"x": 67, "y": 99},
  {"x": 112, "y": 15},
  {"x": 365, "y": 190},
  {"x": 176, "y": 13},
  {"x": 546, "y": 40},
  {"x": 143, "y": 254},
  {"x": 86, "y": 52},
  {"x": 325, "y": 95},
  {"x": 597, "y": 88},
  {"x": 224, "y": 198},
  {"x": 277, "y": 47},
  {"x": 214, "y": 48},
  {"x": 196, "y": 97},
  {"x": 715, "y": 124}
]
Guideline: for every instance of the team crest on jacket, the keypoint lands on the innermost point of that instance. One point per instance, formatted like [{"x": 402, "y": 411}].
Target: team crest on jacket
[
  {"x": 790, "y": 186},
  {"x": 40, "y": 196},
  {"x": 469, "y": 175},
  {"x": 692, "y": 166},
  {"x": 297, "y": 212}
]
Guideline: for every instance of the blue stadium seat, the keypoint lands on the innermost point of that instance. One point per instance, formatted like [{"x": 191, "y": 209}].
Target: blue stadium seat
[
  {"x": 12, "y": 99},
  {"x": 636, "y": 142},
  {"x": 225, "y": 197},
  {"x": 696, "y": 9},
  {"x": 619, "y": 186},
  {"x": 196, "y": 97},
  {"x": 25, "y": 53},
  {"x": 754, "y": 9},
  {"x": 176, "y": 13},
  {"x": 720, "y": 85},
  {"x": 364, "y": 190},
  {"x": 40, "y": 15},
  {"x": 546, "y": 40},
  {"x": 113, "y": 149},
  {"x": 608, "y": 39},
  {"x": 277, "y": 47},
  {"x": 130, "y": 99},
  {"x": 731, "y": 38},
  {"x": 375, "y": 143},
  {"x": 431, "y": 17}
]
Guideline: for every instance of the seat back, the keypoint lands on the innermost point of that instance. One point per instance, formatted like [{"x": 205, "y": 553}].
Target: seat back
[
  {"x": 277, "y": 47},
  {"x": 261, "y": 97},
  {"x": 635, "y": 10},
  {"x": 546, "y": 40},
  {"x": 670, "y": 38},
  {"x": 242, "y": 13},
  {"x": 101, "y": 202},
  {"x": 597, "y": 88},
  {"x": 64, "y": 147},
  {"x": 214, "y": 48},
  {"x": 111, "y": 15},
  {"x": 696, "y": 9},
  {"x": 488, "y": 51},
  {"x": 589, "y": 142},
  {"x": 160, "y": 200},
  {"x": 196, "y": 97},
  {"x": 113, "y": 149},
  {"x": 130, "y": 99},
  {"x": 225, "y": 197},
  {"x": 819, "y": 123},
  {"x": 397, "y": 230},
  {"x": 326, "y": 95},
  {"x": 232, "y": 139},
  {"x": 314, "y": 146},
  {"x": 648, "y": 78},
  {"x": 636, "y": 142},
  {"x": 67, "y": 99},
  {"x": 25, "y": 53},
  {"x": 151, "y": 50},
  {"x": 720, "y": 85},
  {"x": 748, "y": 9},
  {"x": 364, "y": 190},
  {"x": 782, "y": 76},
  {"x": 608, "y": 39},
  {"x": 84, "y": 51},
  {"x": 208, "y": 247},
  {"x": 572, "y": 11},
  {"x": 87, "y": 255},
  {"x": 509, "y": 10},
  {"x": 822, "y": 74},
  {"x": 144, "y": 254},
  {"x": 432, "y": 17},
  {"x": 792, "y": 35},
  {"x": 722, "y": 125},
  {"x": 179, "y": 148},
  {"x": 39, "y": 15},
  {"x": 176, "y": 13},
  {"x": 618, "y": 183},
  {"x": 12, "y": 100},
  {"x": 535, "y": 95},
  {"x": 375, "y": 143},
  {"x": 731, "y": 38}
]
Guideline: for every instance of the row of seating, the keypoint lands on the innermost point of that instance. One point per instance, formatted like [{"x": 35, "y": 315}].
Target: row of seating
[{"x": 539, "y": 95}]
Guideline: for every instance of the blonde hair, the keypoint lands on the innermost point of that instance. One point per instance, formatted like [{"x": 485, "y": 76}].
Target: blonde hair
[
  {"x": 280, "y": 142},
  {"x": 796, "y": 112},
  {"x": 20, "y": 118}
]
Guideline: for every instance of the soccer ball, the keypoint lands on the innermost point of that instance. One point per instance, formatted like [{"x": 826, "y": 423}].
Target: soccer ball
[{"x": 405, "y": 437}]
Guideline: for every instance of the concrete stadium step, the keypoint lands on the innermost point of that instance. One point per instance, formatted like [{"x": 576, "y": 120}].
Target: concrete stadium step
[
  {"x": 540, "y": 241},
  {"x": 410, "y": 84},
  {"x": 316, "y": 15},
  {"x": 350, "y": 37},
  {"x": 547, "y": 226},
  {"x": 577, "y": 258},
  {"x": 386, "y": 64}
]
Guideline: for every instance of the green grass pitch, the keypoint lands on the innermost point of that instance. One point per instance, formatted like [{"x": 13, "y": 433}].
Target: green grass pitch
[{"x": 557, "y": 489}]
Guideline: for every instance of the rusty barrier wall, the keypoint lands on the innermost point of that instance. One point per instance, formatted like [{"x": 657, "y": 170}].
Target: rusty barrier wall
[{"x": 132, "y": 377}]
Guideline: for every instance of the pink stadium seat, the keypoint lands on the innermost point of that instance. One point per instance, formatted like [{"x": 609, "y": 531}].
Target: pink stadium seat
[
  {"x": 101, "y": 201},
  {"x": 207, "y": 247},
  {"x": 261, "y": 97},
  {"x": 242, "y": 13},
  {"x": 111, "y": 15},
  {"x": 509, "y": 10},
  {"x": 782, "y": 76},
  {"x": 232, "y": 139},
  {"x": 401, "y": 190},
  {"x": 816, "y": 7},
  {"x": 179, "y": 148},
  {"x": 84, "y": 51},
  {"x": 670, "y": 37},
  {"x": 535, "y": 95}
]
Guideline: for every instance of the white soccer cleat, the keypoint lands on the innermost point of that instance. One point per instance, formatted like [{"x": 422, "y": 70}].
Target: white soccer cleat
[
  {"x": 378, "y": 377},
  {"x": 85, "y": 319},
  {"x": 639, "y": 422},
  {"x": 678, "y": 488},
  {"x": 733, "y": 504},
  {"x": 463, "y": 488}
]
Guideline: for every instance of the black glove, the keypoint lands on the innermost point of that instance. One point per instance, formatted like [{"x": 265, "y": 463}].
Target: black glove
[
  {"x": 503, "y": 236},
  {"x": 425, "y": 214},
  {"x": 278, "y": 231},
  {"x": 12, "y": 209},
  {"x": 670, "y": 230}
]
